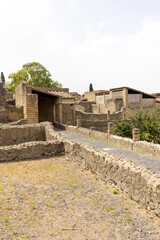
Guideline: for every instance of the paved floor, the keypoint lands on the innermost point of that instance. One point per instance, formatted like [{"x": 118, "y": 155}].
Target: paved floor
[{"x": 150, "y": 163}]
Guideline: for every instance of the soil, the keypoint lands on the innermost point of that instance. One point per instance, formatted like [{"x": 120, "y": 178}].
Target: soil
[{"x": 56, "y": 199}]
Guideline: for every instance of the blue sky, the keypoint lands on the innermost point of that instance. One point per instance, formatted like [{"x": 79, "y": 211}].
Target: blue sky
[{"x": 109, "y": 43}]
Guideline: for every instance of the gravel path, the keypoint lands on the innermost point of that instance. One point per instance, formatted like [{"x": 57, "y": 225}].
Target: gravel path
[
  {"x": 55, "y": 199},
  {"x": 150, "y": 163}
]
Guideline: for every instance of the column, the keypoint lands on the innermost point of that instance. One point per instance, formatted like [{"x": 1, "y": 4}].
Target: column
[
  {"x": 60, "y": 113},
  {"x": 110, "y": 129},
  {"x": 136, "y": 134}
]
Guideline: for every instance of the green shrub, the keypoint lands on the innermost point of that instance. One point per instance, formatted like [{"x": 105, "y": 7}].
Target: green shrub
[
  {"x": 123, "y": 129},
  {"x": 148, "y": 124}
]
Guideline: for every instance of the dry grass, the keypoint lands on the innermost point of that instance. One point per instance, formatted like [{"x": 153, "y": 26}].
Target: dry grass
[{"x": 55, "y": 199}]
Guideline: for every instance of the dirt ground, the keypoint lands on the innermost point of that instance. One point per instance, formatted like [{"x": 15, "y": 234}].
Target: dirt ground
[{"x": 55, "y": 198}]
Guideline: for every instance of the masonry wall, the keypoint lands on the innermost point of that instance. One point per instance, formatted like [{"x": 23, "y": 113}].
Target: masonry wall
[
  {"x": 137, "y": 182},
  {"x": 148, "y": 102},
  {"x": 20, "y": 94},
  {"x": 85, "y": 106},
  {"x": 15, "y": 113},
  {"x": 67, "y": 113},
  {"x": 31, "y": 150},
  {"x": 31, "y": 108},
  {"x": 90, "y": 96},
  {"x": 118, "y": 94},
  {"x": 10, "y": 134},
  {"x": 9, "y": 113},
  {"x": 100, "y": 99},
  {"x": 133, "y": 100}
]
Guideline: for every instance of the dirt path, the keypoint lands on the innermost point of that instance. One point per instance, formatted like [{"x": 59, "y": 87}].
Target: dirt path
[
  {"x": 150, "y": 163},
  {"x": 55, "y": 199}
]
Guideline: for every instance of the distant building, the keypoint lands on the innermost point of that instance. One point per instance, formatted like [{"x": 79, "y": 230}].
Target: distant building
[
  {"x": 45, "y": 104},
  {"x": 124, "y": 97}
]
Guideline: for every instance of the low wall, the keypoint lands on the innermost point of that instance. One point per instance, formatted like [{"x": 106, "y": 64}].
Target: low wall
[
  {"x": 147, "y": 148},
  {"x": 137, "y": 182},
  {"x": 14, "y": 134},
  {"x": 142, "y": 147},
  {"x": 33, "y": 150},
  {"x": 99, "y": 125}
]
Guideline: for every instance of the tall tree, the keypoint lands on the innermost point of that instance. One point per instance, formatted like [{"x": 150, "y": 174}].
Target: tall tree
[
  {"x": 2, "y": 78},
  {"x": 34, "y": 74},
  {"x": 90, "y": 87}
]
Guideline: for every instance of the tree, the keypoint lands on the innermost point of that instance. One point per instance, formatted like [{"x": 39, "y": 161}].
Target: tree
[
  {"x": 2, "y": 78},
  {"x": 34, "y": 74},
  {"x": 90, "y": 87},
  {"x": 148, "y": 124}
]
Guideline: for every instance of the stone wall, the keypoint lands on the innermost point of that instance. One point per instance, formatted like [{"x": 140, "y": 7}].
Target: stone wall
[
  {"x": 99, "y": 121},
  {"x": 31, "y": 150},
  {"x": 137, "y": 182},
  {"x": 4, "y": 93},
  {"x": 85, "y": 106},
  {"x": 67, "y": 113},
  {"x": 143, "y": 147},
  {"x": 91, "y": 97},
  {"x": 31, "y": 108},
  {"x": 13, "y": 134},
  {"x": 9, "y": 113},
  {"x": 147, "y": 148}
]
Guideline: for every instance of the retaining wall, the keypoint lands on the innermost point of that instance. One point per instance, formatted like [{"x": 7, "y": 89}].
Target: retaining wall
[
  {"x": 137, "y": 182},
  {"x": 31, "y": 150},
  {"x": 14, "y": 134},
  {"x": 142, "y": 147}
]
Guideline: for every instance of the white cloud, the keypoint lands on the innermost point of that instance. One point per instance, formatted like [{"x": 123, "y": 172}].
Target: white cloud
[{"x": 74, "y": 4}]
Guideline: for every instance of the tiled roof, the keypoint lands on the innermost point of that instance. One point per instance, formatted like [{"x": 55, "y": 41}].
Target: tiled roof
[{"x": 52, "y": 92}]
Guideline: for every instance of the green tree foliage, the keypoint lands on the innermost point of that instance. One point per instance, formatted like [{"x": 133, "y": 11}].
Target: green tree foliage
[
  {"x": 123, "y": 129},
  {"x": 91, "y": 87},
  {"x": 34, "y": 74},
  {"x": 148, "y": 124}
]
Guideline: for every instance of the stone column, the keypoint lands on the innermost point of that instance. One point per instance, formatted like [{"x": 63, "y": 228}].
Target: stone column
[
  {"x": 92, "y": 128},
  {"x": 124, "y": 113},
  {"x": 78, "y": 121},
  {"x": 136, "y": 134},
  {"x": 60, "y": 113},
  {"x": 110, "y": 129},
  {"x": 54, "y": 112},
  {"x": 74, "y": 112},
  {"x": 141, "y": 101},
  {"x": 125, "y": 97},
  {"x": 108, "y": 115}
]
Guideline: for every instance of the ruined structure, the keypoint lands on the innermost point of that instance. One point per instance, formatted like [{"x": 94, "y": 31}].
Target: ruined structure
[
  {"x": 33, "y": 141},
  {"x": 117, "y": 104},
  {"x": 132, "y": 99},
  {"x": 8, "y": 111},
  {"x": 45, "y": 104}
]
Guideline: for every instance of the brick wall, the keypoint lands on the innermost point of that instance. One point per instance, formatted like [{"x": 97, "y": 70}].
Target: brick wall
[{"x": 31, "y": 108}]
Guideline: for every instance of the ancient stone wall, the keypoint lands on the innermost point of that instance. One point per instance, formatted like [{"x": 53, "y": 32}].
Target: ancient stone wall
[
  {"x": 31, "y": 108},
  {"x": 9, "y": 113},
  {"x": 31, "y": 150},
  {"x": 85, "y": 106},
  {"x": 143, "y": 147},
  {"x": 137, "y": 182},
  {"x": 13, "y": 134},
  {"x": 67, "y": 113}
]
